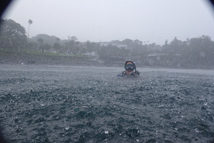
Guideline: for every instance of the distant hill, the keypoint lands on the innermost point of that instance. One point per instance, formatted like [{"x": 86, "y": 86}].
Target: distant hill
[{"x": 46, "y": 39}]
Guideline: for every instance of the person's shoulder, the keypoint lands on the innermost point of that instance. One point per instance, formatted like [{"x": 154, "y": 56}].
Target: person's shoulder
[
  {"x": 122, "y": 74},
  {"x": 137, "y": 72}
]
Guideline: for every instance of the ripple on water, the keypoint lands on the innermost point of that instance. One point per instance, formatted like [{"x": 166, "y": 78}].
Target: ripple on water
[{"x": 57, "y": 106}]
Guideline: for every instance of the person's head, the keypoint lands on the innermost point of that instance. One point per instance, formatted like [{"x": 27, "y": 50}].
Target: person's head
[{"x": 130, "y": 66}]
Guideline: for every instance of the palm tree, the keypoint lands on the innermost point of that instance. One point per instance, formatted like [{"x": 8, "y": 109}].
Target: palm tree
[{"x": 29, "y": 24}]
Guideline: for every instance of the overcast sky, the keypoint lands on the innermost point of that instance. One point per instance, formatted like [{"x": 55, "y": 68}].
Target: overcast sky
[{"x": 105, "y": 20}]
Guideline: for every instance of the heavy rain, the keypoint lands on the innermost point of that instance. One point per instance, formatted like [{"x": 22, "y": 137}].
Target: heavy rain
[{"x": 107, "y": 71}]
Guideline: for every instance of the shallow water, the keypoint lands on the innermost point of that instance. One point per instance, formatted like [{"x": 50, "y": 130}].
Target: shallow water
[{"x": 90, "y": 104}]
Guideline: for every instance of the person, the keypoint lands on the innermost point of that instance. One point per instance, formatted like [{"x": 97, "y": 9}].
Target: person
[{"x": 130, "y": 70}]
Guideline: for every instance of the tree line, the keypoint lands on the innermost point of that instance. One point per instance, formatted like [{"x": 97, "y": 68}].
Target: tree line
[{"x": 191, "y": 53}]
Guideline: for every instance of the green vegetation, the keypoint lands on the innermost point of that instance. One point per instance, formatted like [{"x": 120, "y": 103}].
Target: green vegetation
[{"x": 41, "y": 49}]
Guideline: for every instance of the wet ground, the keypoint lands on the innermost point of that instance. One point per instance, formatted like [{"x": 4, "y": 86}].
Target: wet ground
[{"x": 90, "y": 104}]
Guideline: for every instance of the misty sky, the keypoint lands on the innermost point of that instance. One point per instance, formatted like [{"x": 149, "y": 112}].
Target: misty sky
[{"x": 105, "y": 20}]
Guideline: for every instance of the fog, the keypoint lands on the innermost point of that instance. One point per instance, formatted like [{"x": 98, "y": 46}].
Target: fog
[
  {"x": 170, "y": 34},
  {"x": 106, "y": 20},
  {"x": 63, "y": 79}
]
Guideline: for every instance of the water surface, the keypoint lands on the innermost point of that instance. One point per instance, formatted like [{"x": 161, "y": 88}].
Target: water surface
[{"x": 90, "y": 104}]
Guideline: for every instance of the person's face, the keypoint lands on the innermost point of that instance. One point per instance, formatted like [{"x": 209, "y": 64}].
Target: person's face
[{"x": 129, "y": 67}]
